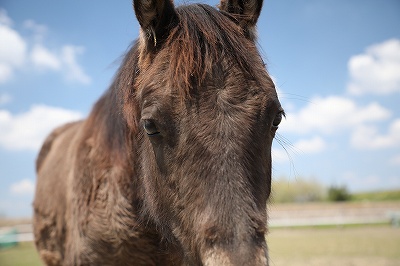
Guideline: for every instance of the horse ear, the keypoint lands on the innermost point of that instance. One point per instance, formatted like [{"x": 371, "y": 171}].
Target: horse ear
[
  {"x": 156, "y": 18},
  {"x": 246, "y": 12}
]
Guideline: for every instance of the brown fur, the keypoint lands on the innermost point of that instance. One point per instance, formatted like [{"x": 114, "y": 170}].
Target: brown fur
[{"x": 195, "y": 192}]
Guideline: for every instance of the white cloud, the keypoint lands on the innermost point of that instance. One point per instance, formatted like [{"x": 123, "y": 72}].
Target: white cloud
[
  {"x": 368, "y": 137},
  {"x": 4, "y": 19},
  {"x": 74, "y": 71},
  {"x": 304, "y": 146},
  {"x": 395, "y": 160},
  {"x": 369, "y": 182},
  {"x": 279, "y": 155},
  {"x": 332, "y": 114},
  {"x": 64, "y": 61},
  {"x": 313, "y": 145},
  {"x": 377, "y": 70},
  {"x": 27, "y": 131},
  {"x": 44, "y": 59},
  {"x": 6, "y": 72},
  {"x": 13, "y": 49},
  {"x": 17, "y": 52},
  {"x": 39, "y": 30},
  {"x": 23, "y": 187}
]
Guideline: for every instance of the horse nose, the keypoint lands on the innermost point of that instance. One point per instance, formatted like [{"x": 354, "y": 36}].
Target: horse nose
[
  {"x": 239, "y": 244},
  {"x": 242, "y": 256}
]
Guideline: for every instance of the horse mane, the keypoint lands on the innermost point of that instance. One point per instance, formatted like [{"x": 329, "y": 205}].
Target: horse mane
[
  {"x": 106, "y": 122},
  {"x": 202, "y": 38}
]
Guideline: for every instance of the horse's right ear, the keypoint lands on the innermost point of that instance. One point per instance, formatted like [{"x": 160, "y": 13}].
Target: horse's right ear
[
  {"x": 246, "y": 12},
  {"x": 156, "y": 18}
]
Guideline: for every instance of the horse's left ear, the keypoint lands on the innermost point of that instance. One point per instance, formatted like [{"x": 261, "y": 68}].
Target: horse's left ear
[
  {"x": 156, "y": 18},
  {"x": 246, "y": 12}
]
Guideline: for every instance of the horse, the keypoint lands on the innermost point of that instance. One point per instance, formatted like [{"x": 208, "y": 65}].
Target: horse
[{"x": 173, "y": 164}]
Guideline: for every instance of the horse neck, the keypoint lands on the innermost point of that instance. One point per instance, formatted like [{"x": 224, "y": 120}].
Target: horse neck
[{"x": 115, "y": 132}]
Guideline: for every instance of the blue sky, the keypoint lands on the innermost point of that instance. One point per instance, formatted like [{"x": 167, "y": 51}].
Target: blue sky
[{"x": 336, "y": 65}]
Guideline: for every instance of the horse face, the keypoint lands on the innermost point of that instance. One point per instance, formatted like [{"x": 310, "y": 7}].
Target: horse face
[{"x": 208, "y": 115}]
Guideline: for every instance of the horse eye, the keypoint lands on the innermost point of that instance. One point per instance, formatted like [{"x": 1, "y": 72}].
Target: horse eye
[
  {"x": 278, "y": 119},
  {"x": 150, "y": 128}
]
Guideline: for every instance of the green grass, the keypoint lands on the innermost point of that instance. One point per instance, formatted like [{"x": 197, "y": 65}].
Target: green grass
[
  {"x": 21, "y": 255},
  {"x": 348, "y": 246},
  {"x": 377, "y": 196},
  {"x": 362, "y": 245}
]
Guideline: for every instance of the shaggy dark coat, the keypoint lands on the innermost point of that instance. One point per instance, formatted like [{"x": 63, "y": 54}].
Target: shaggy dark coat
[{"x": 173, "y": 164}]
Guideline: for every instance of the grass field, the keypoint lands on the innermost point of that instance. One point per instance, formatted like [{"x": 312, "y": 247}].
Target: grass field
[
  {"x": 348, "y": 246},
  {"x": 23, "y": 255},
  {"x": 390, "y": 195}
]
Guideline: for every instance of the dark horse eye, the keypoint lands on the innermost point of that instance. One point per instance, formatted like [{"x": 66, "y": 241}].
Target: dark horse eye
[
  {"x": 150, "y": 128},
  {"x": 278, "y": 119}
]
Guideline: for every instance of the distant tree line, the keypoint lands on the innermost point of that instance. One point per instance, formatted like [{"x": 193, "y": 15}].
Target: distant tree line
[
  {"x": 306, "y": 190},
  {"x": 338, "y": 193}
]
